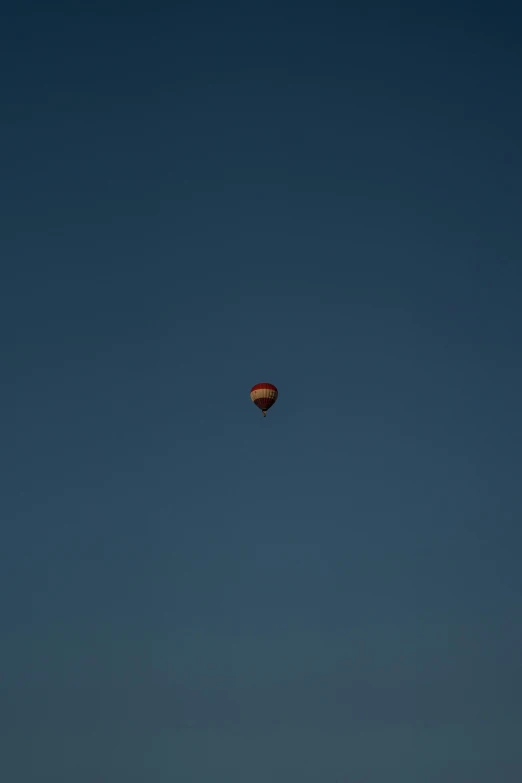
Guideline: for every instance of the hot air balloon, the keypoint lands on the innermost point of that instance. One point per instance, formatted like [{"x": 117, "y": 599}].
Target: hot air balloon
[{"x": 263, "y": 395}]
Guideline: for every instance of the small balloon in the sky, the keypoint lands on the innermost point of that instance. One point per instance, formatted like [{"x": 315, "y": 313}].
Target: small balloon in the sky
[{"x": 263, "y": 395}]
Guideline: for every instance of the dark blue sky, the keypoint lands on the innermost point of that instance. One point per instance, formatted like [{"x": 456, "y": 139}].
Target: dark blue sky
[{"x": 195, "y": 199}]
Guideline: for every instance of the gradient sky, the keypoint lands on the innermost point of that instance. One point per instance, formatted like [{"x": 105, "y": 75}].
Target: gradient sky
[{"x": 195, "y": 198}]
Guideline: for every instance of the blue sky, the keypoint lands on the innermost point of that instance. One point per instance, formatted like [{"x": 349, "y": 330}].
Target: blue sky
[{"x": 195, "y": 199}]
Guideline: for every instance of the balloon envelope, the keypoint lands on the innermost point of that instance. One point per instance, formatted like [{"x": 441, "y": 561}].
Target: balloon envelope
[{"x": 263, "y": 395}]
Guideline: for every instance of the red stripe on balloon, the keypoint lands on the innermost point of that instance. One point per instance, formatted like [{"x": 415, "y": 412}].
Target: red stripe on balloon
[
  {"x": 263, "y": 386},
  {"x": 264, "y": 403}
]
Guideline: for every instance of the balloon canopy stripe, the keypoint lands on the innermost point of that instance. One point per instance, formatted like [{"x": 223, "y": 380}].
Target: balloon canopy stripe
[
  {"x": 263, "y": 393},
  {"x": 264, "y": 403}
]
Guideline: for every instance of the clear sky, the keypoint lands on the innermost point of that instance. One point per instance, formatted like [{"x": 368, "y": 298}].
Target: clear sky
[{"x": 196, "y": 198}]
